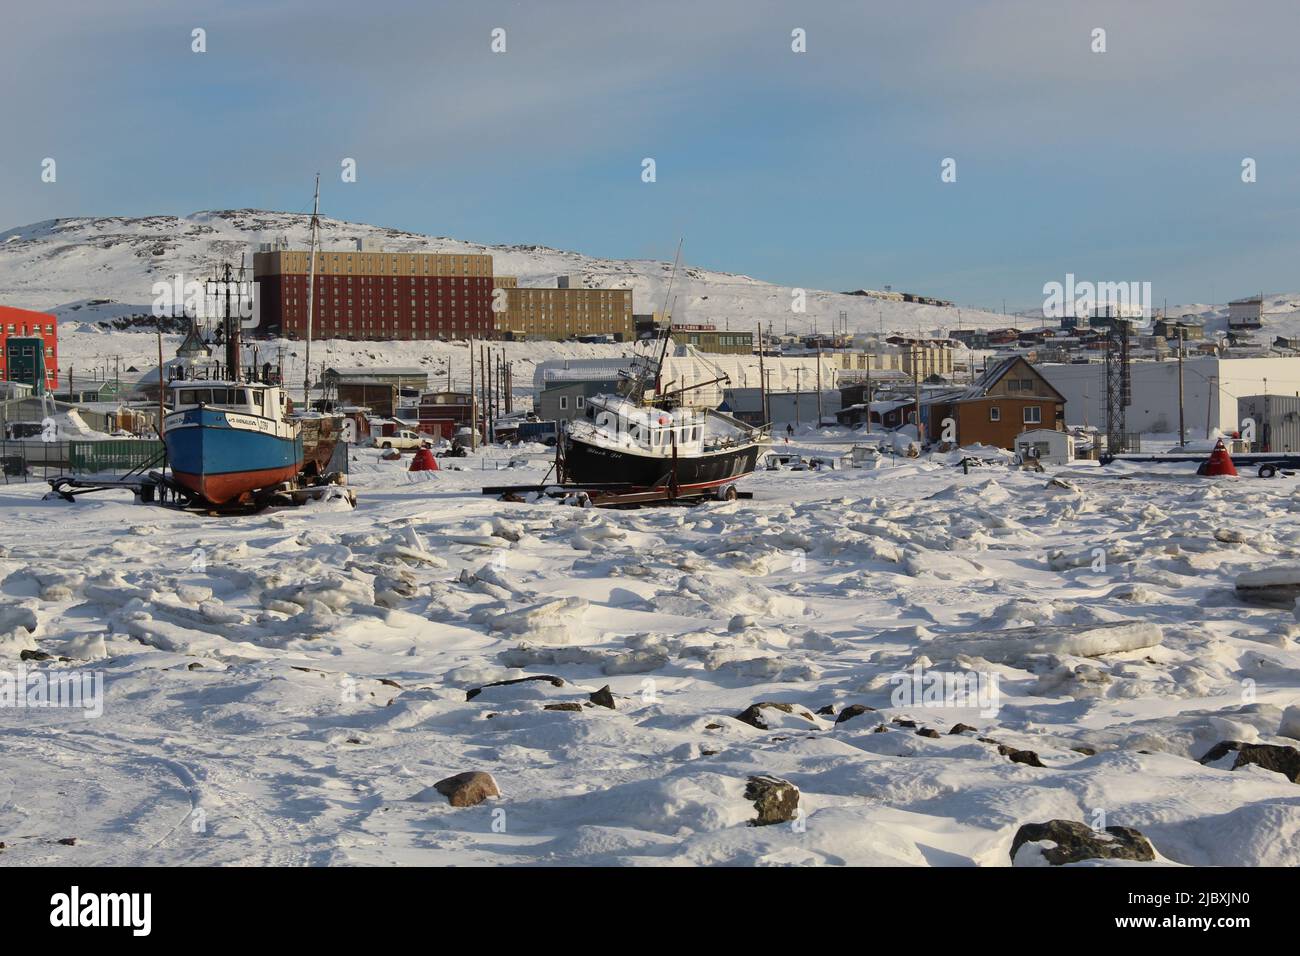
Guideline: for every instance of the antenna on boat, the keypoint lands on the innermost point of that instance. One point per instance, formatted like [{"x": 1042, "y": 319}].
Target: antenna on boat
[{"x": 311, "y": 292}]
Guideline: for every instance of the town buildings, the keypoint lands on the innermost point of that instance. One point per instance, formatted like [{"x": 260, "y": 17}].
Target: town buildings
[
  {"x": 1212, "y": 386},
  {"x": 1246, "y": 313},
  {"x": 705, "y": 338},
  {"x": 29, "y": 348},
  {"x": 565, "y": 312},
  {"x": 1009, "y": 398},
  {"x": 369, "y": 294}
]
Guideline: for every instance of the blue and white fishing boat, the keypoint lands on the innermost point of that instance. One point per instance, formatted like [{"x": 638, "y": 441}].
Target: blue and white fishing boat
[{"x": 227, "y": 440}]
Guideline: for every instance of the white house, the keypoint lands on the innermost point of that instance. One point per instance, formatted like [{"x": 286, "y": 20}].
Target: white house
[
  {"x": 1246, "y": 313},
  {"x": 1049, "y": 446}
]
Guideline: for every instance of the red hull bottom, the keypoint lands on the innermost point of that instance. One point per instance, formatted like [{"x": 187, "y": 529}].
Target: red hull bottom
[{"x": 220, "y": 489}]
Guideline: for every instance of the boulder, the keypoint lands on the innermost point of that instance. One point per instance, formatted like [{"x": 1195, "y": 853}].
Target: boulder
[
  {"x": 475, "y": 691},
  {"x": 776, "y": 800},
  {"x": 464, "y": 789},
  {"x": 603, "y": 697},
  {"x": 1275, "y": 757},
  {"x": 1027, "y": 757},
  {"x": 754, "y": 716},
  {"x": 1067, "y": 841},
  {"x": 853, "y": 710}
]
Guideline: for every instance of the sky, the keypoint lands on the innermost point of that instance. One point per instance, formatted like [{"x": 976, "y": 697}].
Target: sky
[{"x": 820, "y": 169}]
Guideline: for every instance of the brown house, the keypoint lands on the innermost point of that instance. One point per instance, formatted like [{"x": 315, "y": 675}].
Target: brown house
[{"x": 1008, "y": 398}]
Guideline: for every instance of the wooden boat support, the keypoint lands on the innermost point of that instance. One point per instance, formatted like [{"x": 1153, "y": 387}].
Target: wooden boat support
[
  {"x": 162, "y": 489},
  {"x": 616, "y": 495}
]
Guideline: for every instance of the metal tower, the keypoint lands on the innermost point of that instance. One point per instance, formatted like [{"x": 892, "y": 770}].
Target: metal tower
[{"x": 1119, "y": 385}]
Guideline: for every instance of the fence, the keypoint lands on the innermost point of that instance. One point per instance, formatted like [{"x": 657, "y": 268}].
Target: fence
[{"x": 36, "y": 460}]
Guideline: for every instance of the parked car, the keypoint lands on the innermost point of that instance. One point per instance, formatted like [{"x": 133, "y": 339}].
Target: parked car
[
  {"x": 404, "y": 439},
  {"x": 548, "y": 433}
]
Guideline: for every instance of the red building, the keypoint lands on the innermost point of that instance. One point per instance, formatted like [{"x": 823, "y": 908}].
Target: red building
[
  {"x": 24, "y": 323},
  {"x": 370, "y": 295}
]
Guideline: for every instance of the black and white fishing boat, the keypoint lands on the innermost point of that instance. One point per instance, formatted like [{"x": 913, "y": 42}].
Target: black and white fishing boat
[
  {"x": 646, "y": 437},
  {"x": 657, "y": 445}
]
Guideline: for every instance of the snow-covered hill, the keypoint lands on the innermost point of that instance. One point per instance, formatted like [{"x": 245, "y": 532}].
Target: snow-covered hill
[{"x": 92, "y": 269}]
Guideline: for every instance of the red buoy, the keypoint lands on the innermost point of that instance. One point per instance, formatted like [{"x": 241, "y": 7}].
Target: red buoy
[
  {"x": 1220, "y": 462},
  {"x": 424, "y": 460}
]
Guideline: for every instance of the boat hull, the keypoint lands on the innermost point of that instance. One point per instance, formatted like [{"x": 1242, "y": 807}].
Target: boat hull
[
  {"x": 590, "y": 463},
  {"x": 223, "y": 456}
]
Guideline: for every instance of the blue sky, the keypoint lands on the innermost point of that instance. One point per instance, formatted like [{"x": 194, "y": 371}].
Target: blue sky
[{"x": 817, "y": 169}]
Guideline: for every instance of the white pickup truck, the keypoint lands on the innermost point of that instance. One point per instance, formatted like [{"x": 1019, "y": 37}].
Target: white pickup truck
[{"x": 403, "y": 439}]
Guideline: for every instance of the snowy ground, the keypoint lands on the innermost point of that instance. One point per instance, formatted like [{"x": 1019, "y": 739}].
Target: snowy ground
[{"x": 278, "y": 688}]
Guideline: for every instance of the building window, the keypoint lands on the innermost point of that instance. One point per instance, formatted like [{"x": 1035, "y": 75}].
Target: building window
[
  {"x": 578, "y": 402},
  {"x": 1033, "y": 414},
  {"x": 995, "y": 413},
  {"x": 564, "y": 402}
]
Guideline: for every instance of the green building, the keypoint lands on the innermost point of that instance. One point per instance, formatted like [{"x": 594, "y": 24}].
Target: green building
[{"x": 25, "y": 360}]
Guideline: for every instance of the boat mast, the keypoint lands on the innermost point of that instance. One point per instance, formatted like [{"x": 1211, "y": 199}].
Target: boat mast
[
  {"x": 311, "y": 292},
  {"x": 668, "y": 321},
  {"x": 231, "y": 328}
]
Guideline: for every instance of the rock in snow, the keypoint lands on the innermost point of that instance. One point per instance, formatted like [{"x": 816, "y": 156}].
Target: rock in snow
[
  {"x": 463, "y": 790},
  {"x": 853, "y": 710},
  {"x": 548, "y": 678},
  {"x": 603, "y": 697},
  {"x": 1058, "y": 842},
  {"x": 772, "y": 715},
  {"x": 776, "y": 800},
  {"x": 1283, "y": 760}
]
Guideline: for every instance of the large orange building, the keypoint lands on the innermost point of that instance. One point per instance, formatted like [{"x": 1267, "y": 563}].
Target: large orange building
[{"x": 23, "y": 324}]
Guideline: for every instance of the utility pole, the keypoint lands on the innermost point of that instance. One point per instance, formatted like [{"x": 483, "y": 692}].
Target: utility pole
[
  {"x": 798, "y": 387},
  {"x": 762, "y": 379},
  {"x": 1182, "y": 429},
  {"x": 483, "y": 387},
  {"x": 161, "y": 387},
  {"x": 1209, "y": 397},
  {"x": 819, "y": 387},
  {"x": 311, "y": 293},
  {"x": 916, "y": 379},
  {"x": 868, "y": 391},
  {"x": 473, "y": 402}
]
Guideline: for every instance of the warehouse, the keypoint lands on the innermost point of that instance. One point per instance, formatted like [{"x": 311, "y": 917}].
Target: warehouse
[{"x": 1211, "y": 390}]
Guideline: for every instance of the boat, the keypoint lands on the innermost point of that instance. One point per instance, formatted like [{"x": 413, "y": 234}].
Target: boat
[
  {"x": 231, "y": 436},
  {"x": 650, "y": 438},
  {"x": 624, "y": 442},
  {"x": 228, "y": 439}
]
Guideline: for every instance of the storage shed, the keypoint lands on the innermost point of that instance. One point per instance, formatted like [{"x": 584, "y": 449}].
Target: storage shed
[{"x": 1049, "y": 446}]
